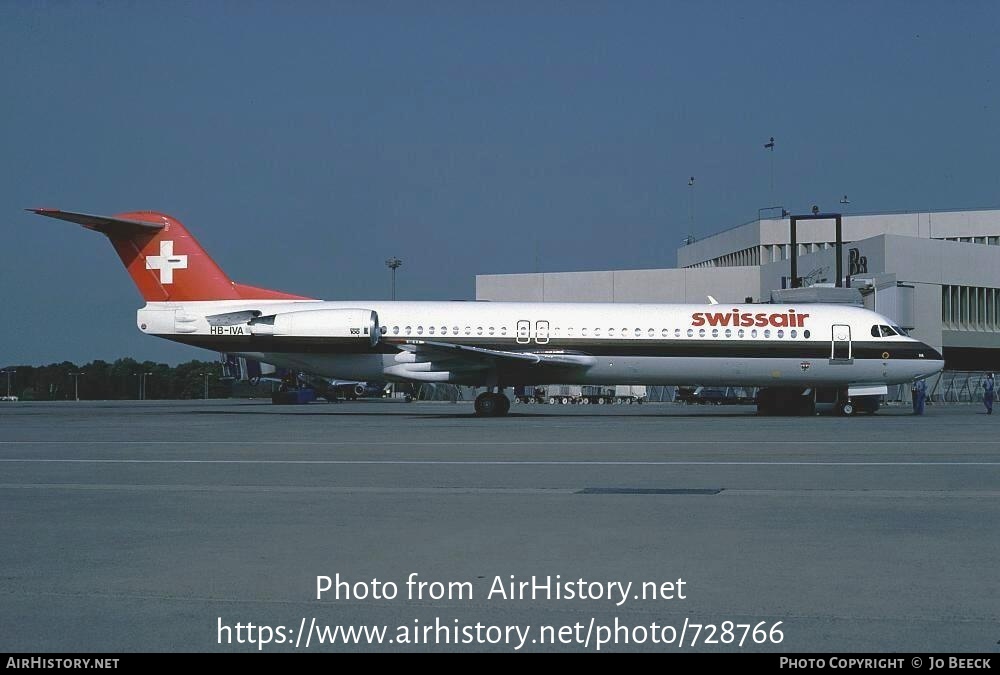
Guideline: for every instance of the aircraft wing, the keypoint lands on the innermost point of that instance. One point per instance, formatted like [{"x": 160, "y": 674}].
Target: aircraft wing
[{"x": 427, "y": 350}]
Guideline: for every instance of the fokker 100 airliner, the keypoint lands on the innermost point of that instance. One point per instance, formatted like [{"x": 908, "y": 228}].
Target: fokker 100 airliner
[{"x": 792, "y": 352}]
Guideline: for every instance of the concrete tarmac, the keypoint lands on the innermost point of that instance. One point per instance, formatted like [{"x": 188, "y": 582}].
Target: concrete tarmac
[{"x": 160, "y": 526}]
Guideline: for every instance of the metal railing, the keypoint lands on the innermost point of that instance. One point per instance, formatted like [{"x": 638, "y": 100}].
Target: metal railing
[{"x": 959, "y": 386}]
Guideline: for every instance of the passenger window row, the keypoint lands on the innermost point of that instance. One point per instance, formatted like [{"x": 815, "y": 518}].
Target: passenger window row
[{"x": 502, "y": 331}]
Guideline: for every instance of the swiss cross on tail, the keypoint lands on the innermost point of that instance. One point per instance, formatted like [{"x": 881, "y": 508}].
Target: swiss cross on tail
[{"x": 166, "y": 262}]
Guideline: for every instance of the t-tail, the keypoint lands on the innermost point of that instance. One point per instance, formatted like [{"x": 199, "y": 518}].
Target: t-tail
[{"x": 166, "y": 263}]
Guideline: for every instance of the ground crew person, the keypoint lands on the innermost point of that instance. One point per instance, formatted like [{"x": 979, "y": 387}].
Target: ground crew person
[
  {"x": 919, "y": 392},
  {"x": 988, "y": 393}
]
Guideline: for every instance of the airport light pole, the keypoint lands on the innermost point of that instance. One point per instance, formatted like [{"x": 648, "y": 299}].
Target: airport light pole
[
  {"x": 393, "y": 264},
  {"x": 9, "y": 371},
  {"x": 691, "y": 208},
  {"x": 76, "y": 384},
  {"x": 770, "y": 146},
  {"x": 206, "y": 384}
]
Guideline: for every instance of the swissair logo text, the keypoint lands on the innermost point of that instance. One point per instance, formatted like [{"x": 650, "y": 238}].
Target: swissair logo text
[{"x": 789, "y": 319}]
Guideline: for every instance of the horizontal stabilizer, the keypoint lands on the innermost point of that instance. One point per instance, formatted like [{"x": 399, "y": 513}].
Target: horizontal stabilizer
[{"x": 115, "y": 227}]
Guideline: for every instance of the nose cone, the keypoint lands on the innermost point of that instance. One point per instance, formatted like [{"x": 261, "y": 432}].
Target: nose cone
[{"x": 932, "y": 362}]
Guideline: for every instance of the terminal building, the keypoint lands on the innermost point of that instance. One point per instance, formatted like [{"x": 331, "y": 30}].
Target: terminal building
[{"x": 935, "y": 273}]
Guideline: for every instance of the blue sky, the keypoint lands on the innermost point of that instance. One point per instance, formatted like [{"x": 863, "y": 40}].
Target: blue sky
[{"x": 304, "y": 143}]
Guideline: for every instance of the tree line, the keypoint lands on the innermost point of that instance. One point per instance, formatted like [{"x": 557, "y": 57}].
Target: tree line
[{"x": 122, "y": 380}]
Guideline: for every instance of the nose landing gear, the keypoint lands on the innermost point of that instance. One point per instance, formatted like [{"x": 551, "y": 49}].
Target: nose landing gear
[{"x": 868, "y": 405}]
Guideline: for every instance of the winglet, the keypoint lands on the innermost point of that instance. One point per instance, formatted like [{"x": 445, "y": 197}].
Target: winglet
[{"x": 712, "y": 301}]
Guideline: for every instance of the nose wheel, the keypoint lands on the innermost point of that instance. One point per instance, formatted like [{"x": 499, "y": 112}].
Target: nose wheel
[{"x": 490, "y": 404}]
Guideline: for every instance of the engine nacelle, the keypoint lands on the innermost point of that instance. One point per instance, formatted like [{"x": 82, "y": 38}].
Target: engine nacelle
[{"x": 356, "y": 324}]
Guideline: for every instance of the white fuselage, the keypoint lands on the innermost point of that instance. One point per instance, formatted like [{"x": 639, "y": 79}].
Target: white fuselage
[{"x": 754, "y": 345}]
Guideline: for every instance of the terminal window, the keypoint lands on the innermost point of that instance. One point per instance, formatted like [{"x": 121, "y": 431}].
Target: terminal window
[{"x": 970, "y": 308}]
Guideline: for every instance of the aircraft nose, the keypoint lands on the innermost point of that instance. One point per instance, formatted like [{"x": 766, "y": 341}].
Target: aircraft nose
[
  {"x": 933, "y": 359},
  {"x": 931, "y": 353}
]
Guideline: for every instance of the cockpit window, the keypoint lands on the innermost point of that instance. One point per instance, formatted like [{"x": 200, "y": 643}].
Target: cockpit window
[
  {"x": 886, "y": 331},
  {"x": 901, "y": 331}
]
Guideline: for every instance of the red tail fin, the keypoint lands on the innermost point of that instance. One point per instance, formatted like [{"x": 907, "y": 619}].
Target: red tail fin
[{"x": 164, "y": 260}]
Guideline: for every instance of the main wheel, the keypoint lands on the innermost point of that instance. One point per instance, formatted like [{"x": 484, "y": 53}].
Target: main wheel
[
  {"x": 503, "y": 405},
  {"x": 487, "y": 404}
]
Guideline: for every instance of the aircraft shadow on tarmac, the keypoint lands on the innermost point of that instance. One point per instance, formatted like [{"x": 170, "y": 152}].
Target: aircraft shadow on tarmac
[{"x": 458, "y": 415}]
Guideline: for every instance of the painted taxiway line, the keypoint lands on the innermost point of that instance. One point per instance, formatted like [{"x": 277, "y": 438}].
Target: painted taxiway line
[{"x": 434, "y": 462}]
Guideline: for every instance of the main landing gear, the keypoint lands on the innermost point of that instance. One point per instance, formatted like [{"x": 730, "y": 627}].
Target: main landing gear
[{"x": 492, "y": 404}]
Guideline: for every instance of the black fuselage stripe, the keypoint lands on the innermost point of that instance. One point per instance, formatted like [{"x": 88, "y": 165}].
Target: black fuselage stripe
[{"x": 735, "y": 349}]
